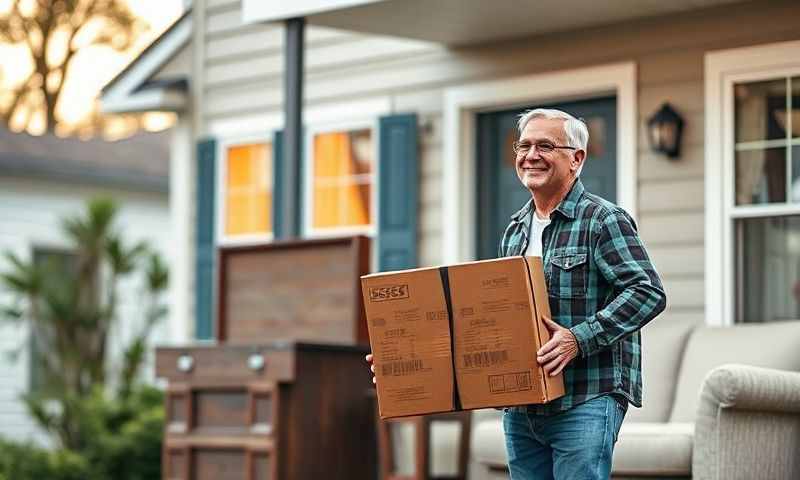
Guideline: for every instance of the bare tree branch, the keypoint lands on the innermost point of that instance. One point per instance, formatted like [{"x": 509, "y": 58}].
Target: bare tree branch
[{"x": 37, "y": 33}]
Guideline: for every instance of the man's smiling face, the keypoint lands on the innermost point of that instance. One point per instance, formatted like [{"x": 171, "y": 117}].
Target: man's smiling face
[{"x": 546, "y": 171}]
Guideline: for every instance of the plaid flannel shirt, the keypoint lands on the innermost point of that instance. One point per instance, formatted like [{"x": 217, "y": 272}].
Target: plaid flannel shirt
[{"x": 601, "y": 285}]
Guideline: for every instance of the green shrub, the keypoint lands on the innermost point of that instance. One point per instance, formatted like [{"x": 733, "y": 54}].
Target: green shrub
[{"x": 29, "y": 462}]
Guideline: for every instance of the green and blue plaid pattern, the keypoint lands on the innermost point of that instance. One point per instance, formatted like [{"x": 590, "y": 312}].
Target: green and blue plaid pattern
[{"x": 601, "y": 285}]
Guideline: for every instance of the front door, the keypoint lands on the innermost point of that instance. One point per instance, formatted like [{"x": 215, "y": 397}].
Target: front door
[{"x": 500, "y": 192}]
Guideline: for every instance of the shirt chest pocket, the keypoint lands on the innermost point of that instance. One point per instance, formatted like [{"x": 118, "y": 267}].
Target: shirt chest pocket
[{"x": 569, "y": 273}]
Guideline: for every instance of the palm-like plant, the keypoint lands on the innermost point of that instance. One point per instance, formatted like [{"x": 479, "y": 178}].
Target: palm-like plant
[{"x": 71, "y": 312}]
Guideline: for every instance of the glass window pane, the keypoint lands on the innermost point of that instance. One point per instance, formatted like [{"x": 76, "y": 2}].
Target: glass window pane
[
  {"x": 330, "y": 152},
  {"x": 248, "y": 200},
  {"x": 761, "y": 176},
  {"x": 795, "y": 174},
  {"x": 239, "y": 168},
  {"x": 358, "y": 205},
  {"x": 796, "y": 107},
  {"x": 326, "y": 206},
  {"x": 343, "y": 168},
  {"x": 361, "y": 149},
  {"x": 757, "y": 107},
  {"x": 767, "y": 269},
  {"x": 236, "y": 215}
]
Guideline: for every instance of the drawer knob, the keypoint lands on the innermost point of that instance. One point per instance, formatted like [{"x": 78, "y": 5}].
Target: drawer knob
[
  {"x": 185, "y": 363},
  {"x": 255, "y": 362}
]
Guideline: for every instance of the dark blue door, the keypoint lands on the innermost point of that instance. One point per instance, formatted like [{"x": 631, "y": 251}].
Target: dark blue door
[{"x": 500, "y": 192}]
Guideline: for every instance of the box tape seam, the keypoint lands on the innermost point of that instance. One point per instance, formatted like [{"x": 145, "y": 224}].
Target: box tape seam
[
  {"x": 443, "y": 273},
  {"x": 543, "y": 381}
]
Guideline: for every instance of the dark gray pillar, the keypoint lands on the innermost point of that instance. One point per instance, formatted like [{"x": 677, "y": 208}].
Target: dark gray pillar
[{"x": 293, "y": 129}]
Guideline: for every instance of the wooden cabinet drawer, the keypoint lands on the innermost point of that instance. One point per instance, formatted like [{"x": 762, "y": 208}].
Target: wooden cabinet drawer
[
  {"x": 226, "y": 462},
  {"x": 222, "y": 410},
  {"x": 225, "y": 363}
]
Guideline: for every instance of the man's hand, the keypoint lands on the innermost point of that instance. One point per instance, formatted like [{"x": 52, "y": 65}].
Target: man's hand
[
  {"x": 559, "y": 350},
  {"x": 371, "y": 366}
]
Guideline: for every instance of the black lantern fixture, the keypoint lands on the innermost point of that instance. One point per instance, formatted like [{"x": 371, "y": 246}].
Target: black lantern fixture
[{"x": 665, "y": 129}]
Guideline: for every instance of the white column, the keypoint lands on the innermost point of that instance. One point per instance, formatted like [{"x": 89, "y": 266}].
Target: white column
[{"x": 181, "y": 249}]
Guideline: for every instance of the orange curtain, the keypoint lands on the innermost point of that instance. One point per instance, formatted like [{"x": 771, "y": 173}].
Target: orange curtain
[
  {"x": 340, "y": 199},
  {"x": 248, "y": 190}
]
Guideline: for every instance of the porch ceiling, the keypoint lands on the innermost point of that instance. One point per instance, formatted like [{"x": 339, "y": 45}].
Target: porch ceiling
[{"x": 464, "y": 22}]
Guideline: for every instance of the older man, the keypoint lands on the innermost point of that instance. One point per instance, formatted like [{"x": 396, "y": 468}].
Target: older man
[{"x": 602, "y": 288}]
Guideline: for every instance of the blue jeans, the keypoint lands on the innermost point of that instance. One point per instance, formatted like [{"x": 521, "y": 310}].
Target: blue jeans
[{"x": 575, "y": 444}]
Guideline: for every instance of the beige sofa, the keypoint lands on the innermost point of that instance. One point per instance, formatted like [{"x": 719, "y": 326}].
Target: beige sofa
[{"x": 703, "y": 417}]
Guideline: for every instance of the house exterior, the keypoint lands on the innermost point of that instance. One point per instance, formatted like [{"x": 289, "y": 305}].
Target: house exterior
[
  {"x": 42, "y": 180},
  {"x": 408, "y": 119}
]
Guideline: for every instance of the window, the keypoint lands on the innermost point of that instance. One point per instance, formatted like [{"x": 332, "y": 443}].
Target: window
[
  {"x": 753, "y": 181},
  {"x": 767, "y": 173},
  {"x": 63, "y": 263},
  {"x": 340, "y": 182},
  {"x": 246, "y": 192}
]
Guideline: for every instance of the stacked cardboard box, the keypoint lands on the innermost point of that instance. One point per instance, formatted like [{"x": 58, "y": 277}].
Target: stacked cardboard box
[{"x": 459, "y": 337}]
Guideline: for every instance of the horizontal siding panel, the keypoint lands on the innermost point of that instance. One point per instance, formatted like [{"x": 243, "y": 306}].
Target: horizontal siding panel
[
  {"x": 671, "y": 195},
  {"x": 269, "y": 37},
  {"x": 685, "y": 293},
  {"x": 431, "y": 130},
  {"x": 672, "y": 229},
  {"x": 680, "y": 65},
  {"x": 430, "y": 218},
  {"x": 223, "y": 21},
  {"x": 247, "y": 98},
  {"x": 376, "y": 78},
  {"x": 425, "y": 102},
  {"x": 218, "y": 4},
  {"x": 686, "y": 97},
  {"x": 430, "y": 248},
  {"x": 358, "y": 51},
  {"x": 430, "y": 191},
  {"x": 679, "y": 260},
  {"x": 691, "y": 164},
  {"x": 431, "y": 161}
]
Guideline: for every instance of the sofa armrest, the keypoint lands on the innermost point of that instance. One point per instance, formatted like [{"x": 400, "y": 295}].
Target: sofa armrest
[
  {"x": 752, "y": 388},
  {"x": 748, "y": 424}
]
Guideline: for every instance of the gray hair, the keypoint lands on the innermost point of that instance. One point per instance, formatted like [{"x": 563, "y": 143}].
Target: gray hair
[{"x": 575, "y": 130}]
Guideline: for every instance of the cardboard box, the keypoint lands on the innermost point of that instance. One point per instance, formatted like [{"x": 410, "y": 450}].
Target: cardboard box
[{"x": 459, "y": 337}]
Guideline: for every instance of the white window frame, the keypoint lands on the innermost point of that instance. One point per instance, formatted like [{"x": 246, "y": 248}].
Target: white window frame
[
  {"x": 222, "y": 175},
  {"x": 723, "y": 69},
  {"x": 308, "y": 180}
]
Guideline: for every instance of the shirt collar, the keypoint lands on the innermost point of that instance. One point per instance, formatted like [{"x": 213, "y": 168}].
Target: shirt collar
[{"x": 567, "y": 207}]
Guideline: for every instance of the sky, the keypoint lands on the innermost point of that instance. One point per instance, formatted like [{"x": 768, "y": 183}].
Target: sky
[{"x": 93, "y": 66}]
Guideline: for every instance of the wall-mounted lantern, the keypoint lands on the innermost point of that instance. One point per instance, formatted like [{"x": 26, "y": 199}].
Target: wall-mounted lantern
[{"x": 665, "y": 130}]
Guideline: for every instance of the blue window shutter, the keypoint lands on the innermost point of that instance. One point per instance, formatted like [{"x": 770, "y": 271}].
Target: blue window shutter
[
  {"x": 397, "y": 191},
  {"x": 204, "y": 260},
  {"x": 277, "y": 185}
]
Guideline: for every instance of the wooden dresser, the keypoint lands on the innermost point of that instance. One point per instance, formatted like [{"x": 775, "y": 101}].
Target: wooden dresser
[{"x": 282, "y": 394}]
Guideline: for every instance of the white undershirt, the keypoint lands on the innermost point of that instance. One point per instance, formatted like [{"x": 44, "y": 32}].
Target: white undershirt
[{"x": 535, "y": 239}]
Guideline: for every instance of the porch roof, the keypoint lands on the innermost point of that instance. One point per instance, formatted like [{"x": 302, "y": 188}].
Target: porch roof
[{"x": 465, "y": 22}]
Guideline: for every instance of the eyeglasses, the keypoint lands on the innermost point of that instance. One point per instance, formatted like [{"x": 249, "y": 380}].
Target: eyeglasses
[{"x": 522, "y": 148}]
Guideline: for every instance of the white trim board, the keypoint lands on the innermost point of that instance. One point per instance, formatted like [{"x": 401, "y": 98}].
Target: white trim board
[
  {"x": 722, "y": 68},
  {"x": 461, "y": 105},
  {"x": 121, "y": 95}
]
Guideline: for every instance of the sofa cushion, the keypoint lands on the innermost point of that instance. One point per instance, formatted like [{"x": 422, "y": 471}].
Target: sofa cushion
[
  {"x": 770, "y": 345},
  {"x": 663, "y": 342},
  {"x": 653, "y": 449},
  {"x": 488, "y": 444}
]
